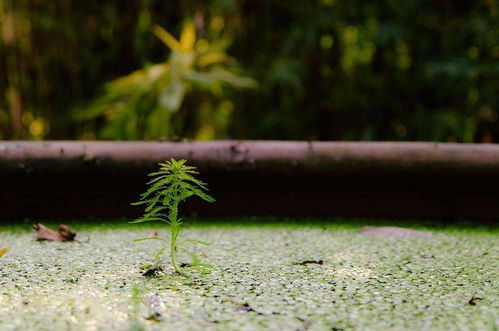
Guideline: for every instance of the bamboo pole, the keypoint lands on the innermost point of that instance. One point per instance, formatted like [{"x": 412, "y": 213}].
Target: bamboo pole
[{"x": 266, "y": 157}]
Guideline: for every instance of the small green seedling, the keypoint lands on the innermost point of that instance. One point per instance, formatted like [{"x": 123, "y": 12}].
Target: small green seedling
[{"x": 172, "y": 184}]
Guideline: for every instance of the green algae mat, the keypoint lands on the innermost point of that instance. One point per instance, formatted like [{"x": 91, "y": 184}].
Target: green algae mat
[{"x": 287, "y": 277}]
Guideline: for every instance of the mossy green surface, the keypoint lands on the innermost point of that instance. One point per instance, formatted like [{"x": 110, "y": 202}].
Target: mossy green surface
[{"x": 364, "y": 283}]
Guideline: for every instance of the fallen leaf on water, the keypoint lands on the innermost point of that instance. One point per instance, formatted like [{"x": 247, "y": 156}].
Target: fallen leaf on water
[
  {"x": 321, "y": 262},
  {"x": 3, "y": 251},
  {"x": 64, "y": 233},
  {"x": 473, "y": 300},
  {"x": 153, "y": 270},
  {"x": 392, "y": 231},
  {"x": 245, "y": 307},
  {"x": 155, "y": 317}
]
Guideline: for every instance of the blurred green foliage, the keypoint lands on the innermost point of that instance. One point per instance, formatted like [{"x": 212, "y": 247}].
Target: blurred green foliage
[
  {"x": 141, "y": 104},
  {"x": 328, "y": 69}
]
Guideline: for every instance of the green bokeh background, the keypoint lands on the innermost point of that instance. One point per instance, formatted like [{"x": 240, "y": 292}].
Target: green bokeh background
[{"x": 325, "y": 70}]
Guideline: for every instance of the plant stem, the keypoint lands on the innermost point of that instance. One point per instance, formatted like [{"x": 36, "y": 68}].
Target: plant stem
[
  {"x": 175, "y": 229},
  {"x": 173, "y": 248}
]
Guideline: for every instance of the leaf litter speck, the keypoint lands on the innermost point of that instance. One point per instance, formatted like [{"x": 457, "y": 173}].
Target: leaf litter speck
[{"x": 364, "y": 282}]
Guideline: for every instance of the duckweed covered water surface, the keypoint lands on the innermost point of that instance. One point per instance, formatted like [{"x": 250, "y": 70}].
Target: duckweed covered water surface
[{"x": 364, "y": 282}]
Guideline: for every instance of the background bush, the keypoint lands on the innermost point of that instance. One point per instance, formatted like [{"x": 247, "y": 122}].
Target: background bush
[{"x": 328, "y": 70}]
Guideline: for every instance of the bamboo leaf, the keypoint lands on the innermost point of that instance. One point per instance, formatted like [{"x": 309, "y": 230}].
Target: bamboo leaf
[
  {"x": 188, "y": 37},
  {"x": 213, "y": 58},
  {"x": 167, "y": 38}
]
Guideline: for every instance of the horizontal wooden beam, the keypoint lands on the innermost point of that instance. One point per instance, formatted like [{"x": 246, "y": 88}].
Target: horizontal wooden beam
[
  {"x": 328, "y": 158},
  {"x": 364, "y": 179}
]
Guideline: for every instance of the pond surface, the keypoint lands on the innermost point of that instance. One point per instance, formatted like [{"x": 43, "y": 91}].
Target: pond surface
[{"x": 447, "y": 281}]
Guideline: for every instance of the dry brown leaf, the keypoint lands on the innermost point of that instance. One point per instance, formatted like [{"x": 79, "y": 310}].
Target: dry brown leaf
[
  {"x": 310, "y": 262},
  {"x": 245, "y": 307},
  {"x": 153, "y": 270},
  {"x": 392, "y": 231},
  {"x": 64, "y": 233},
  {"x": 473, "y": 300}
]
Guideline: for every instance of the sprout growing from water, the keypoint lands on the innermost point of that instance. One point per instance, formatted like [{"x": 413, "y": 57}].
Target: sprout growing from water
[{"x": 172, "y": 184}]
